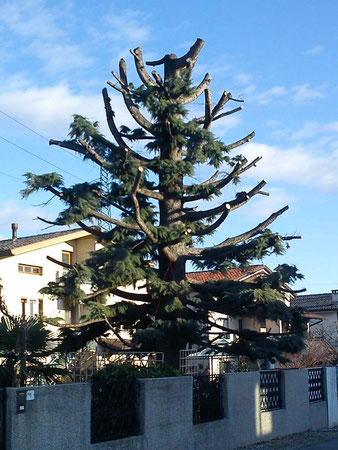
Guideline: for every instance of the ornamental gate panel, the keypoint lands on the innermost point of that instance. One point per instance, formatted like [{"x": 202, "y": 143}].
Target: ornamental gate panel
[
  {"x": 316, "y": 384},
  {"x": 114, "y": 409},
  {"x": 270, "y": 390},
  {"x": 207, "y": 398}
]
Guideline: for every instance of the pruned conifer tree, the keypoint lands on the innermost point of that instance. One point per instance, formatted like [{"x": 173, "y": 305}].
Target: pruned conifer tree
[{"x": 157, "y": 229}]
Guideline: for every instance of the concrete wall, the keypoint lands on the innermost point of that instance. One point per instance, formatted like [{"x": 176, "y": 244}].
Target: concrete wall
[{"x": 59, "y": 416}]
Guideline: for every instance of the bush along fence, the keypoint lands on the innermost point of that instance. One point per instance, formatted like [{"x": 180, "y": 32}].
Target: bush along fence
[{"x": 160, "y": 413}]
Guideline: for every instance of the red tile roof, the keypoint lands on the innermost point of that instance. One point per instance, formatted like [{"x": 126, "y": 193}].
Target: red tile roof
[{"x": 230, "y": 274}]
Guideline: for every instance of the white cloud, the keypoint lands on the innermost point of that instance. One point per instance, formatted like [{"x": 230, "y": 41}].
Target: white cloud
[
  {"x": 312, "y": 128},
  {"x": 314, "y": 51},
  {"x": 299, "y": 165},
  {"x": 304, "y": 92},
  {"x": 126, "y": 25},
  {"x": 37, "y": 26},
  {"x": 243, "y": 78},
  {"x": 12, "y": 211},
  {"x": 263, "y": 206},
  {"x": 298, "y": 94},
  {"x": 49, "y": 109}
]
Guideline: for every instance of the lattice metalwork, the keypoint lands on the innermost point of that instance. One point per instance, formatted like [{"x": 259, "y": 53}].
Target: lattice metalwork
[
  {"x": 270, "y": 390},
  {"x": 193, "y": 363},
  {"x": 105, "y": 180},
  {"x": 207, "y": 398},
  {"x": 114, "y": 409},
  {"x": 316, "y": 384},
  {"x": 82, "y": 365}
]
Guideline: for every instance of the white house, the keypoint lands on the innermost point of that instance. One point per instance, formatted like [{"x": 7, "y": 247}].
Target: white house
[
  {"x": 25, "y": 268},
  {"x": 324, "y": 307},
  {"x": 243, "y": 275}
]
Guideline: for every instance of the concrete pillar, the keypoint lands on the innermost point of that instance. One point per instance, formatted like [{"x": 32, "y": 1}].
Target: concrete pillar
[{"x": 331, "y": 396}]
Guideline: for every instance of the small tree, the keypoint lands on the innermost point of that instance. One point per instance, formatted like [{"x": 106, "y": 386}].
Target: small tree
[
  {"x": 153, "y": 197},
  {"x": 24, "y": 343}
]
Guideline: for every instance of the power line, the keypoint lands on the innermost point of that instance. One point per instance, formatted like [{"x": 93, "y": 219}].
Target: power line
[
  {"x": 43, "y": 137},
  {"x": 11, "y": 176},
  {"x": 25, "y": 126},
  {"x": 39, "y": 157}
]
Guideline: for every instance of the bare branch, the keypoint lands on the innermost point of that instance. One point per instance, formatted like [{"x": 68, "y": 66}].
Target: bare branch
[
  {"x": 142, "y": 73},
  {"x": 131, "y": 296},
  {"x": 218, "y": 184},
  {"x": 60, "y": 263},
  {"x": 225, "y": 97},
  {"x": 227, "y": 113},
  {"x": 197, "y": 91},
  {"x": 84, "y": 149},
  {"x": 150, "y": 193},
  {"x": 92, "y": 153},
  {"x": 241, "y": 237},
  {"x": 252, "y": 164},
  {"x": 138, "y": 217},
  {"x": 211, "y": 179},
  {"x": 115, "y": 132},
  {"x": 241, "y": 141},
  {"x": 91, "y": 230},
  {"x": 116, "y": 87},
  {"x": 113, "y": 329},
  {"x": 158, "y": 78},
  {"x": 132, "y": 108},
  {"x": 213, "y": 226},
  {"x": 208, "y": 109},
  {"x": 254, "y": 231},
  {"x": 192, "y": 54}
]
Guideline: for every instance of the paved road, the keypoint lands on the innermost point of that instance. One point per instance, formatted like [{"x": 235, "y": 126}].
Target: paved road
[{"x": 327, "y": 445}]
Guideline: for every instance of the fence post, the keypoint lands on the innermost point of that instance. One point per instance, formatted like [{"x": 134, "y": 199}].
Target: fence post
[{"x": 331, "y": 396}]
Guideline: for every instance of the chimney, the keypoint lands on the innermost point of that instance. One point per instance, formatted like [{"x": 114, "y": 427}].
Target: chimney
[
  {"x": 14, "y": 231},
  {"x": 334, "y": 296}
]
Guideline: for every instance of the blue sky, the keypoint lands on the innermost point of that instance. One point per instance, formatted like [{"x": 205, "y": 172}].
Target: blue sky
[{"x": 280, "y": 56}]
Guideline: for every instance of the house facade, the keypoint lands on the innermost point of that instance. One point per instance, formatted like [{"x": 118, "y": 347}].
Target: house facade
[
  {"x": 238, "y": 323},
  {"x": 322, "y": 310},
  {"x": 26, "y": 266}
]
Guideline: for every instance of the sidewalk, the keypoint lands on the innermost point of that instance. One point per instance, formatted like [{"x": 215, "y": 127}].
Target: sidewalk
[
  {"x": 309, "y": 440},
  {"x": 327, "y": 445}
]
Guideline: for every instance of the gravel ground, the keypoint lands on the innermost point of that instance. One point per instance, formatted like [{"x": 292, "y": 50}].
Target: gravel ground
[{"x": 296, "y": 441}]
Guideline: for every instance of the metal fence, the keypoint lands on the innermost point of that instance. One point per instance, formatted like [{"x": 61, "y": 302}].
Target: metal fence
[
  {"x": 114, "y": 409},
  {"x": 207, "y": 398},
  {"x": 270, "y": 390},
  {"x": 192, "y": 362},
  {"x": 316, "y": 384},
  {"x": 82, "y": 365}
]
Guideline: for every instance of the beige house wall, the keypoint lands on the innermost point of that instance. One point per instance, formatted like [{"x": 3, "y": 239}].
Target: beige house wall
[{"x": 18, "y": 285}]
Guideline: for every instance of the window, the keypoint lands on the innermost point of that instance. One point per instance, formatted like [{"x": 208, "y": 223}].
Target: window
[
  {"x": 40, "y": 307},
  {"x": 226, "y": 325},
  {"x": 67, "y": 258},
  {"x": 32, "y": 304},
  {"x": 240, "y": 324},
  {"x": 262, "y": 325},
  {"x": 23, "y": 307},
  {"x": 32, "y": 270}
]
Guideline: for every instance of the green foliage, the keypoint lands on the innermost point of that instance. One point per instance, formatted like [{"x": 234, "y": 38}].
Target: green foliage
[
  {"x": 163, "y": 228},
  {"x": 37, "y": 343},
  {"x": 129, "y": 371}
]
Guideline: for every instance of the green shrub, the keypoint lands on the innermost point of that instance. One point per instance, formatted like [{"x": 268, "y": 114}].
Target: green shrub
[{"x": 128, "y": 371}]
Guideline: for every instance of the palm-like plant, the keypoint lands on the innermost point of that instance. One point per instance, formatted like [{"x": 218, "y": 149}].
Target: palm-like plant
[{"x": 24, "y": 345}]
